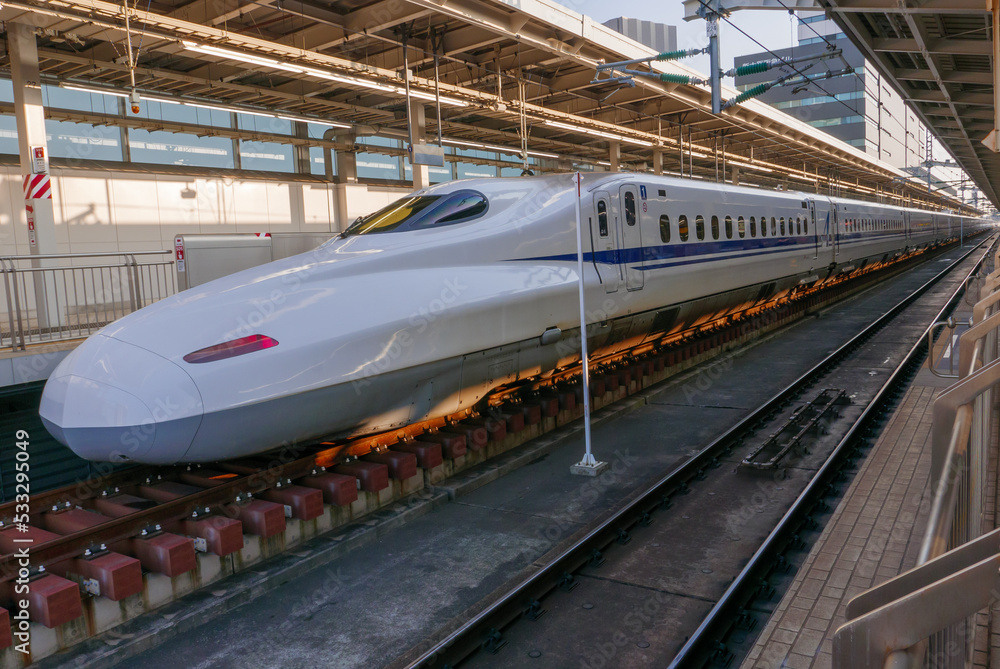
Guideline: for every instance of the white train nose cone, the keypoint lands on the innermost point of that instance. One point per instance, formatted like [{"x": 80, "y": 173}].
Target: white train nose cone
[{"x": 113, "y": 401}]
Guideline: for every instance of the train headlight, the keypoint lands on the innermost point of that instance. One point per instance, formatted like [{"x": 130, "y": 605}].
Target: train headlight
[{"x": 231, "y": 349}]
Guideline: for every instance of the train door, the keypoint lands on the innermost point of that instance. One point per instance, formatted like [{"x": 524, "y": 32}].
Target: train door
[
  {"x": 814, "y": 227},
  {"x": 605, "y": 243},
  {"x": 835, "y": 229},
  {"x": 631, "y": 237}
]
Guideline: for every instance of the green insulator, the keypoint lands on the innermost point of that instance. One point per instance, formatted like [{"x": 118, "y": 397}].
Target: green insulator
[
  {"x": 753, "y": 68},
  {"x": 759, "y": 89},
  {"x": 675, "y": 78},
  {"x": 672, "y": 55}
]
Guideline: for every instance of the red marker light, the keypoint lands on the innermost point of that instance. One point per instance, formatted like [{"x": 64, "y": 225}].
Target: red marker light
[{"x": 231, "y": 349}]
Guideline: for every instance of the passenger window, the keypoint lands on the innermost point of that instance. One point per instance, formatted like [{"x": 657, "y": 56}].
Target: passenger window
[
  {"x": 782, "y": 226},
  {"x": 741, "y": 227},
  {"x": 729, "y": 227},
  {"x": 753, "y": 227},
  {"x": 805, "y": 225},
  {"x": 665, "y": 229},
  {"x": 629, "y": 208},
  {"x": 682, "y": 227},
  {"x": 715, "y": 227},
  {"x": 798, "y": 226},
  {"x": 602, "y": 217},
  {"x": 774, "y": 226},
  {"x": 699, "y": 227}
]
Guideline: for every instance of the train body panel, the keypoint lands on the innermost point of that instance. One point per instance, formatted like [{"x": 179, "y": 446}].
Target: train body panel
[{"x": 382, "y": 327}]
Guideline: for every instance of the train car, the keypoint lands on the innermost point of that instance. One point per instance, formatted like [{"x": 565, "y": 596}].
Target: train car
[{"x": 423, "y": 308}]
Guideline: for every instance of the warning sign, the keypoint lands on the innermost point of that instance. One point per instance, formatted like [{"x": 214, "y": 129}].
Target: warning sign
[
  {"x": 38, "y": 163},
  {"x": 179, "y": 252},
  {"x": 30, "y": 211}
]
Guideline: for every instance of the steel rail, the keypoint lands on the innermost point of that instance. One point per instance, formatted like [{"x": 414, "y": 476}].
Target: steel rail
[{"x": 524, "y": 598}]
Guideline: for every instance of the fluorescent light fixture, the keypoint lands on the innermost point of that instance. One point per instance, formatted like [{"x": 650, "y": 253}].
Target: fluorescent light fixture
[
  {"x": 270, "y": 62},
  {"x": 99, "y": 91},
  {"x": 604, "y": 162},
  {"x": 564, "y": 126},
  {"x": 242, "y": 57},
  {"x": 350, "y": 80},
  {"x": 161, "y": 100},
  {"x": 543, "y": 155},
  {"x": 316, "y": 121},
  {"x": 597, "y": 133},
  {"x": 427, "y": 96},
  {"x": 459, "y": 142}
]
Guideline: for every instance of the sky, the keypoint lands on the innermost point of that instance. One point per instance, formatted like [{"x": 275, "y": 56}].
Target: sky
[{"x": 771, "y": 28}]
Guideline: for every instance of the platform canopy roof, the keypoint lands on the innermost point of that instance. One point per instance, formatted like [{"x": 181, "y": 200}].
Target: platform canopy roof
[
  {"x": 938, "y": 54},
  {"x": 503, "y": 65}
]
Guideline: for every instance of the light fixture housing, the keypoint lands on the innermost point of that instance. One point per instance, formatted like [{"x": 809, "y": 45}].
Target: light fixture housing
[{"x": 231, "y": 349}]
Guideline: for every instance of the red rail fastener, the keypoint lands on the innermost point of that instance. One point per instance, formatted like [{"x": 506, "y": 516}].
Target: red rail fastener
[
  {"x": 53, "y": 600},
  {"x": 374, "y": 477},
  {"x": 6, "y": 634},
  {"x": 222, "y": 535},
  {"x": 262, "y": 518},
  {"x": 338, "y": 489},
  {"x": 475, "y": 436},
  {"x": 532, "y": 413},
  {"x": 305, "y": 503},
  {"x": 496, "y": 430},
  {"x": 119, "y": 576},
  {"x": 401, "y": 465},
  {"x": 429, "y": 455}
]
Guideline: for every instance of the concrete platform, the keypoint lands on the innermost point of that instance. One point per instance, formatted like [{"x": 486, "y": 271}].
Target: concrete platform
[{"x": 874, "y": 534}]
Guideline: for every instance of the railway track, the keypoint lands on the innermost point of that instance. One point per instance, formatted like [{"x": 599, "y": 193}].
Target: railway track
[
  {"x": 191, "y": 526},
  {"x": 547, "y": 621}
]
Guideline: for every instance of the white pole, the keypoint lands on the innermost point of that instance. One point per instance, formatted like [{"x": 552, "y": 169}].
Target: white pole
[{"x": 589, "y": 466}]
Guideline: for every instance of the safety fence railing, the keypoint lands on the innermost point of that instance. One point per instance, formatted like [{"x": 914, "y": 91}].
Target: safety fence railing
[
  {"x": 47, "y": 298},
  {"x": 926, "y": 617}
]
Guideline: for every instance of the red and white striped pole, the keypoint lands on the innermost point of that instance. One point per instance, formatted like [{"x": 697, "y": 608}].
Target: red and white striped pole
[{"x": 29, "y": 116}]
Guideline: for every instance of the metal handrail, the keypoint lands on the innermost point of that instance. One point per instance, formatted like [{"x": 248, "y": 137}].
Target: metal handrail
[
  {"x": 950, "y": 324},
  {"x": 891, "y": 625},
  {"x": 105, "y": 254},
  {"x": 71, "y": 301}
]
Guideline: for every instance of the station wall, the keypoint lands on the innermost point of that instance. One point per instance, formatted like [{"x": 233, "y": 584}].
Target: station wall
[{"x": 104, "y": 210}]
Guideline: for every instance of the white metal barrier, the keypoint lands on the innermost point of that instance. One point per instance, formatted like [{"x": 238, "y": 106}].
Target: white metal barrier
[
  {"x": 48, "y": 298},
  {"x": 925, "y": 617}
]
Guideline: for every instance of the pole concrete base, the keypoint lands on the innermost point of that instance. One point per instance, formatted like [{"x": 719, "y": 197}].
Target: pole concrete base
[{"x": 588, "y": 469}]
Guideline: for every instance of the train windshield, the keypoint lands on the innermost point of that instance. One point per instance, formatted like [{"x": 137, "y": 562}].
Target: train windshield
[{"x": 421, "y": 212}]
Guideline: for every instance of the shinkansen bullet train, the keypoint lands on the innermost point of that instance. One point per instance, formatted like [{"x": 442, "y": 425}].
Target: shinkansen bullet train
[{"x": 424, "y": 307}]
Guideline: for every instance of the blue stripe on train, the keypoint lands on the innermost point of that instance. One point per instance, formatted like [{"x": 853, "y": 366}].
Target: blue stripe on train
[{"x": 742, "y": 248}]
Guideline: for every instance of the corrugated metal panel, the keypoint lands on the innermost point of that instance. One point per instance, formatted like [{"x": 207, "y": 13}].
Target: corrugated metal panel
[{"x": 52, "y": 464}]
